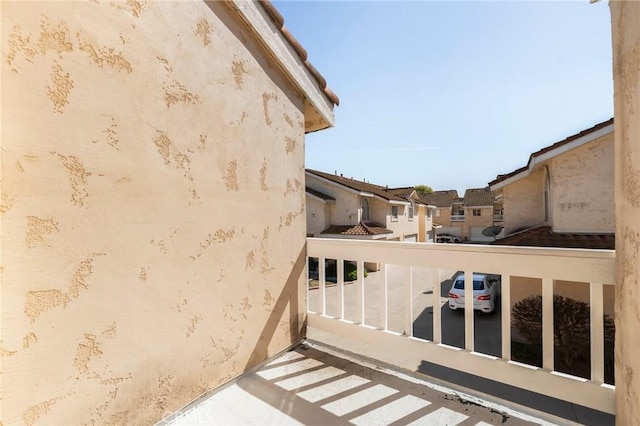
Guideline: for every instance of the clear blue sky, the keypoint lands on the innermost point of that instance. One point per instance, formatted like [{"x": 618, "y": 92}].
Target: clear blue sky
[{"x": 451, "y": 94}]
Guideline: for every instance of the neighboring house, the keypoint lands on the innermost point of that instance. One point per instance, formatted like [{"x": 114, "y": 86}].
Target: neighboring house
[
  {"x": 465, "y": 217},
  {"x": 447, "y": 204},
  {"x": 481, "y": 211},
  {"x": 566, "y": 187},
  {"x": 563, "y": 197},
  {"x": 152, "y": 212},
  {"x": 341, "y": 207}
]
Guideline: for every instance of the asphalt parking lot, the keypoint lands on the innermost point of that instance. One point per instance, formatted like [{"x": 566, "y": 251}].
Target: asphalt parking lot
[{"x": 487, "y": 327}]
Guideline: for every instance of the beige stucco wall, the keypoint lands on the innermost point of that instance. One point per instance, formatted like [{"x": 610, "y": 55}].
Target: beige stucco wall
[
  {"x": 152, "y": 238},
  {"x": 403, "y": 226},
  {"x": 442, "y": 215},
  {"x": 523, "y": 203},
  {"x": 318, "y": 216},
  {"x": 470, "y": 221},
  {"x": 625, "y": 21},
  {"x": 582, "y": 188},
  {"x": 346, "y": 209}
]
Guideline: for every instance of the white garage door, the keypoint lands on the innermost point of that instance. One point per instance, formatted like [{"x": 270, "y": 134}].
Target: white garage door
[
  {"x": 411, "y": 238},
  {"x": 476, "y": 235}
]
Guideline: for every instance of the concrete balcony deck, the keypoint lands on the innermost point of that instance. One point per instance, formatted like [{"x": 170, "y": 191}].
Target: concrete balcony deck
[{"x": 315, "y": 385}]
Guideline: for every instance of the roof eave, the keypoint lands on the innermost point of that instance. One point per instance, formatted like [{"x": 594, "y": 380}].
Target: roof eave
[
  {"x": 318, "y": 108},
  {"x": 536, "y": 159}
]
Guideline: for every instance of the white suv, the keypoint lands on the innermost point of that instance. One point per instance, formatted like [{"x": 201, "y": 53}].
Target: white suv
[{"x": 486, "y": 288}]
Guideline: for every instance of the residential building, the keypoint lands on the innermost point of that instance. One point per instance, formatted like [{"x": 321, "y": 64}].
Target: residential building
[
  {"x": 481, "y": 211},
  {"x": 466, "y": 217},
  {"x": 152, "y": 228},
  {"x": 343, "y": 207},
  {"x": 566, "y": 187},
  {"x": 448, "y": 212}
]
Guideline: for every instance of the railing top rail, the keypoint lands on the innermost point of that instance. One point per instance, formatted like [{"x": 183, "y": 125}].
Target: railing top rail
[{"x": 584, "y": 265}]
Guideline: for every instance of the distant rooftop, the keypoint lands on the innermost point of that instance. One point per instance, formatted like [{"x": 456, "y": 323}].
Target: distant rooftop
[{"x": 543, "y": 236}]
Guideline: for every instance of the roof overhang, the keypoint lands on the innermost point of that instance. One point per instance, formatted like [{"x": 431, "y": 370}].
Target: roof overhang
[
  {"x": 322, "y": 200},
  {"x": 536, "y": 160},
  {"x": 355, "y": 191},
  {"x": 318, "y": 108}
]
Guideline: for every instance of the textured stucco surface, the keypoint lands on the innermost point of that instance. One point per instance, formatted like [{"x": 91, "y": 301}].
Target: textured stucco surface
[
  {"x": 523, "y": 203},
  {"x": 152, "y": 209},
  {"x": 625, "y": 21},
  {"x": 582, "y": 188},
  {"x": 318, "y": 216}
]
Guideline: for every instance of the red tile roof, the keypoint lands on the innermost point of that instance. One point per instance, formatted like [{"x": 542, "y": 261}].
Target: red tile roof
[
  {"x": 278, "y": 19},
  {"x": 363, "y": 228},
  {"x": 543, "y": 236},
  {"x": 595, "y": 128}
]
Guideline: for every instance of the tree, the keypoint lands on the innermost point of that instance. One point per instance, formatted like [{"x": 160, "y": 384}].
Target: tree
[
  {"x": 423, "y": 189},
  {"x": 571, "y": 325}
]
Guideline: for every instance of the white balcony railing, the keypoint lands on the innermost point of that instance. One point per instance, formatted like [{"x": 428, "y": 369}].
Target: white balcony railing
[
  {"x": 386, "y": 317},
  {"x": 498, "y": 218},
  {"x": 457, "y": 218}
]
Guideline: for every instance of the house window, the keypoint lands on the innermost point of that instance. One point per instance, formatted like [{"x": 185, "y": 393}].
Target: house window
[
  {"x": 410, "y": 212},
  {"x": 394, "y": 213},
  {"x": 477, "y": 212},
  {"x": 365, "y": 208}
]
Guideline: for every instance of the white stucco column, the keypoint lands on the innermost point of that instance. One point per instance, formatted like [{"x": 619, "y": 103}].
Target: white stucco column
[{"x": 625, "y": 22}]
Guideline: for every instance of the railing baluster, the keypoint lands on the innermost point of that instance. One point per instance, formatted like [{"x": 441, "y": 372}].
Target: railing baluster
[
  {"x": 360, "y": 295},
  {"x": 437, "y": 312},
  {"x": 382, "y": 321},
  {"x": 340, "y": 272},
  {"x": 547, "y": 324},
  {"x": 597, "y": 332},
  {"x": 321, "y": 290},
  {"x": 408, "y": 307},
  {"x": 505, "y": 300},
  {"x": 307, "y": 279},
  {"x": 468, "y": 310}
]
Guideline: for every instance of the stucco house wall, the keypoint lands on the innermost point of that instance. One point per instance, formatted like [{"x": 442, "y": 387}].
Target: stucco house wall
[
  {"x": 582, "y": 188},
  {"x": 523, "y": 203},
  {"x": 470, "y": 221},
  {"x": 380, "y": 211},
  {"x": 152, "y": 210},
  {"x": 318, "y": 216},
  {"x": 346, "y": 209},
  {"x": 442, "y": 215}
]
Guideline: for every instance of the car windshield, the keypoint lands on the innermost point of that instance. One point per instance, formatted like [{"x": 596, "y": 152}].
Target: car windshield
[{"x": 477, "y": 285}]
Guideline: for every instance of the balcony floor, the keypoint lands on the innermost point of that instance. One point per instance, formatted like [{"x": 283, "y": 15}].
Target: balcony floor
[{"x": 316, "y": 386}]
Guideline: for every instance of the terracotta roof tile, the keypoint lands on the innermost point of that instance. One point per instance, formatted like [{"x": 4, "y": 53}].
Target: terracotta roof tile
[
  {"x": 544, "y": 150},
  {"x": 441, "y": 198},
  {"x": 363, "y": 228},
  {"x": 380, "y": 191},
  {"x": 543, "y": 236},
  {"x": 278, "y": 19},
  {"x": 478, "y": 197}
]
